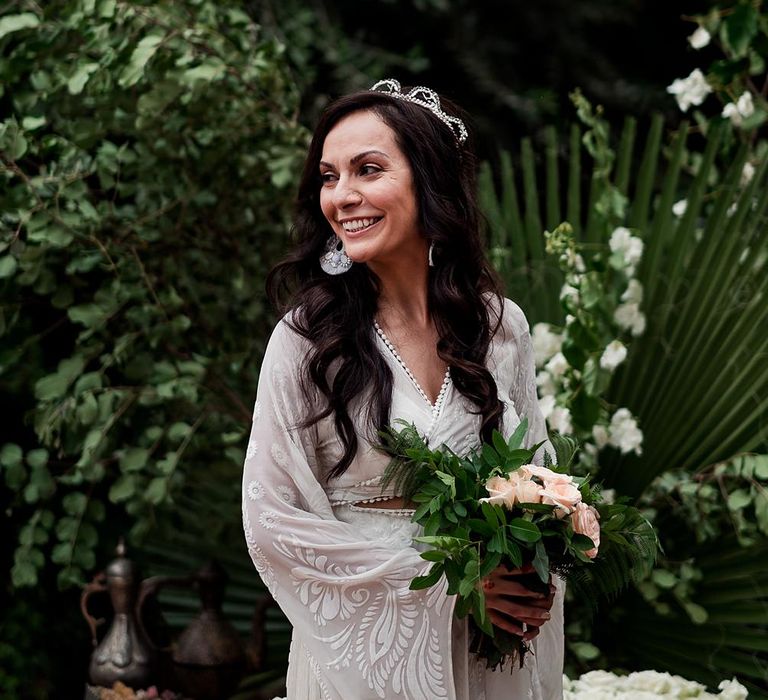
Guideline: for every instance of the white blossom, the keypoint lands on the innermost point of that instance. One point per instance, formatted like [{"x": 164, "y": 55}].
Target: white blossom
[
  {"x": 629, "y": 317},
  {"x": 691, "y": 90},
  {"x": 741, "y": 109},
  {"x": 700, "y": 38},
  {"x": 574, "y": 260},
  {"x": 547, "y": 405},
  {"x": 629, "y": 247},
  {"x": 624, "y": 432},
  {"x": 614, "y": 354},
  {"x": 747, "y": 173},
  {"x": 557, "y": 365},
  {"x": 546, "y": 384},
  {"x": 560, "y": 420},
  {"x": 633, "y": 293},
  {"x": 608, "y": 496},
  {"x": 600, "y": 434},
  {"x": 570, "y": 293},
  {"x": 546, "y": 343},
  {"x": 679, "y": 207}
]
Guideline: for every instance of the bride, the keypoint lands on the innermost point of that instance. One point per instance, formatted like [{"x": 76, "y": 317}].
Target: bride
[{"x": 392, "y": 313}]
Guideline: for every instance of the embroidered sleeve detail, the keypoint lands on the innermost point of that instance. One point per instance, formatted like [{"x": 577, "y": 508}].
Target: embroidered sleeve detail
[{"x": 346, "y": 594}]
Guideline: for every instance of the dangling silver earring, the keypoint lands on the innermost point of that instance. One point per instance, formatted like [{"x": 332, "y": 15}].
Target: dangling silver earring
[
  {"x": 431, "y": 248},
  {"x": 334, "y": 261}
]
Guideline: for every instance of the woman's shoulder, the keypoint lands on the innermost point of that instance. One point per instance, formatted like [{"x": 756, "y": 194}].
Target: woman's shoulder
[
  {"x": 511, "y": 319},
  {"x": 286, "y": 342}
]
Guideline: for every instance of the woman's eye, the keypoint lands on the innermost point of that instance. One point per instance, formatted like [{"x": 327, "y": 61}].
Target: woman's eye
[
  {"x": 327, "y": 177},
  {"x": 369, "y": 169}
]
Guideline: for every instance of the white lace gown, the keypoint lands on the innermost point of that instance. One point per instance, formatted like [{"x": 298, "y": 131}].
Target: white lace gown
[{"x": 341, "y": 571}]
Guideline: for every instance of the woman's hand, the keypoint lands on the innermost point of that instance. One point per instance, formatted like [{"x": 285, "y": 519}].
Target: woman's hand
[{"x": 513, "y": 607}]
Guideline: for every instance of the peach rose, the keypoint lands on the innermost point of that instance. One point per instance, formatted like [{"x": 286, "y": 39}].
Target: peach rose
[
  {"x": 510, "y": 490},
  {"x": 528, "y": 491},
  {"x": 585, "y": 522},
  {"x": 561, "y": 494},
  {"x": 547, "y": 475},
  {"x": 502, "y": 491}
]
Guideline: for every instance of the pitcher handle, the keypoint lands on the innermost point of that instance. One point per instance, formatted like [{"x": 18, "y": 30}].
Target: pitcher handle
[
  {"x": 98, "y": 585},
  {"x": 150, "y": 587}
]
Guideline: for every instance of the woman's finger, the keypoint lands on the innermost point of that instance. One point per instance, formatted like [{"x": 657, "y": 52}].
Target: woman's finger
[
  {"x": 518, "y": 610},
  {"x": 510, "y": 587},
  {"x": 525, "y": 630}
]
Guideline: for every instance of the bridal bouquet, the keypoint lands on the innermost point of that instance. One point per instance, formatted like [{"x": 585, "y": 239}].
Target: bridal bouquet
[{"x": 494, "y": 507}]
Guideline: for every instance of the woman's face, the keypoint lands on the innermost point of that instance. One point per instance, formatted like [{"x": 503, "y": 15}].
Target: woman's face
[{"x": 368, "y": 194}]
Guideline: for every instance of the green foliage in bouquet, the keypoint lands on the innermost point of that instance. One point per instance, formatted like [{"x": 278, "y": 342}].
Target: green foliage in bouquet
[{"x": 470, "y": 537}]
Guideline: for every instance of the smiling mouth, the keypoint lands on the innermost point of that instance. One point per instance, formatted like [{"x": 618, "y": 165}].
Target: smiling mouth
[{"x": 358, "y": 226}]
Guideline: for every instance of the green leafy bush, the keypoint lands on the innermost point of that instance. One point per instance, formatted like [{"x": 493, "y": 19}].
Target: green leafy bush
[{"x": 148, "y": 152}]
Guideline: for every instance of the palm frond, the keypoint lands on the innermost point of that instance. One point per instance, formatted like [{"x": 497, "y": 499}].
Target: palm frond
[
  {"x": 617, "y": 564},
  {"x": 697, "y": 379}
]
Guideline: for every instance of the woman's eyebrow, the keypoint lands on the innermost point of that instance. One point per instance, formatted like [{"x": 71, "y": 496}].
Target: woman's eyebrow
[{"x": 356, "y": 159}]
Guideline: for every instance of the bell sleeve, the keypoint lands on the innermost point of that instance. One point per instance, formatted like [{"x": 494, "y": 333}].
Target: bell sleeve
[
  {"x": 523, "y": 380},
  {"x": 546, "y": 663},
  {"x": 365, "y": 633}
]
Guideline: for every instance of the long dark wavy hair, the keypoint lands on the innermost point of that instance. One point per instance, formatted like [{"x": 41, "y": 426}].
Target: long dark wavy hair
[{"x": 336, "y": 312}]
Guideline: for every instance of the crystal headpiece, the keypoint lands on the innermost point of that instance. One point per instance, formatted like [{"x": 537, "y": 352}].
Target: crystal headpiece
[{"x": 426, "y": 98}]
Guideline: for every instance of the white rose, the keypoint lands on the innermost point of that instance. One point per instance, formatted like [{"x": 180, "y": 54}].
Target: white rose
[
  {"x": 679, "y": 207},
  {"x": 732, "y": 690},
  {"x": 613, "y": 355},
  {"x": 557, "y": 365},
  {"x": 545, "y": 343},
  {"x": 700, "y": 38},
  {"x": 691, "y": 90}
]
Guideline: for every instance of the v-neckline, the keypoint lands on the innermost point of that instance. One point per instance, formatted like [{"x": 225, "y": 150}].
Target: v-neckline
[{"x": 434, "y": 407}]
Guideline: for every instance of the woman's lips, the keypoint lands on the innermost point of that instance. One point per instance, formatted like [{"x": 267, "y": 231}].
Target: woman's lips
[{"x": 362, "y": 231}]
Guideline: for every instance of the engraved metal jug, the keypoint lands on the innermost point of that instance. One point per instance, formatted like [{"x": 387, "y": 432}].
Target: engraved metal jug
[
  {"x": 208, "y": 657},
  {"x": 124, "y": 653}
]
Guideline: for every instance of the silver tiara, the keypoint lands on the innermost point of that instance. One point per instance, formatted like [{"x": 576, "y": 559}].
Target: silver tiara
[{"x": 426, "y": 98}]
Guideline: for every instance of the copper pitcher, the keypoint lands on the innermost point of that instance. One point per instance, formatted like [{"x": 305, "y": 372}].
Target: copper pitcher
[
  {"x": 124, "y": 653},
  {"x": 208, "y": 657}
]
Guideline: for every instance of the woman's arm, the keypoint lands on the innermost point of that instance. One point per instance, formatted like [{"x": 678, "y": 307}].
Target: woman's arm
[
  {"x": 508, "y": 601},
  {"x": 368, "y": 635}
]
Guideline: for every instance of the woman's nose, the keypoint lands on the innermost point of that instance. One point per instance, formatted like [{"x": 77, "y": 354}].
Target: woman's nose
[{"x": 345, "y": 196}]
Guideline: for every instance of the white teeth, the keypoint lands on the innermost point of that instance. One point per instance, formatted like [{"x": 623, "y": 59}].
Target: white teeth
[{"x": 357, "y": 224}]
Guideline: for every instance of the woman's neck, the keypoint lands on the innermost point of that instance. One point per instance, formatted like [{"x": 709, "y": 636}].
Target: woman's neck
[{"x": 403, "y": 294}]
